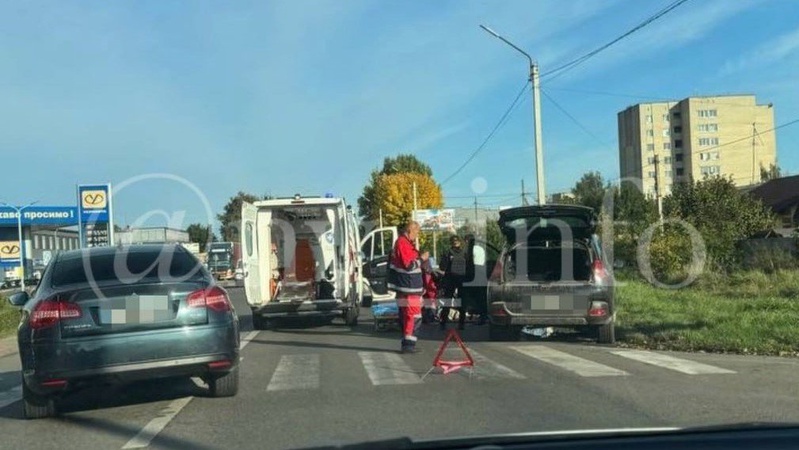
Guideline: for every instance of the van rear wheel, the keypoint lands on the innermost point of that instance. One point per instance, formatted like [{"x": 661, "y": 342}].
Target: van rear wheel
[
  {"x": 351, "y": 316},
  {"x": 258, "y": 322}
]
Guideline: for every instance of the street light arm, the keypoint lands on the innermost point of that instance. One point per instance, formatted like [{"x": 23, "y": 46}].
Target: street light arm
[{"x": 496, "y": 35}]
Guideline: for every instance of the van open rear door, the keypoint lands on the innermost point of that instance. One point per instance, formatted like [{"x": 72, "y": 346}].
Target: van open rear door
[
  {"x": 250, "y": 254},
  {"x": 376, "y": 247}
]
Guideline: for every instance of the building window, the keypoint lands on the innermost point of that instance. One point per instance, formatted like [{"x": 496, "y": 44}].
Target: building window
[
  {"x": 667, "y": 146},
  {"x": 649, "y": 119},
  {"x": 705, "y": 142},
  {"x": 651, "y": 174},
  {"x": 678, "y": 143},
  {"x": 680, "y": 172},
  {"x": 666, "y": 133},
  {"x": 710, "y": 170},
  {"x": 678, "y": 129},
  {"x": 667, "y": 160},
  {"x": 665, "y": 117},
  {"x": 650, "y": 147},
  {"x": 708, "y": 113},
  {"x": 650, "y": 133},
  {"x": 708, "y": 156},
  {"x": 677, "y": 114},
  {"x": 650, "y": 160},
  {"x": 708, "y": 127},
  {"x": 678, "y": 157}
]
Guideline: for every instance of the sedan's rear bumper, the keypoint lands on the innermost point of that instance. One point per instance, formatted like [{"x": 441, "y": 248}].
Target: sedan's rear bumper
[
  {"x": 129, "y": 356},
  {"x": 198, "y": 366}
]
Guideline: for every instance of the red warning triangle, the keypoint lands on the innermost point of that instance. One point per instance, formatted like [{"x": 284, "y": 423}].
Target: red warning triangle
[{"x": 452, "y": 366}]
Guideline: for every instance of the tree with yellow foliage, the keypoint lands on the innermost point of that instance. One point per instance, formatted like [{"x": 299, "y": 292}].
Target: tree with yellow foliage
[{"x": 394, "y": 195}]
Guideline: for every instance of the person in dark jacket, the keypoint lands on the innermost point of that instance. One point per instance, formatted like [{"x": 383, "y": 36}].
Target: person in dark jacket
[{"x": 454, "y": 263}]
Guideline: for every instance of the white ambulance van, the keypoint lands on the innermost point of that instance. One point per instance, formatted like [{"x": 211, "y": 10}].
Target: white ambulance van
[{"x": 318, "y": 267}]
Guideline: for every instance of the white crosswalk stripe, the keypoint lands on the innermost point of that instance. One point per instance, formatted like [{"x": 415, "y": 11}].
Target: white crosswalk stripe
[
  {"x": 580, "y": 366},
  {"x": 386, "y": 368},
  {"x": 671, "y": 363},
  {"x": 295, "y": 372},
  {"x": 485, "y": 368}
]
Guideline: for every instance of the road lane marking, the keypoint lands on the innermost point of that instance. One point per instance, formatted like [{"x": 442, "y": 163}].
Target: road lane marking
[
  {"x": 580, "y": 366},
  {"x": 386, "y": 368},
  {"x": 295, "y": 372},
  {"x": 246, "y": 340},
  {"x": 485, "y": 368},
  {"x": 10, "y": 396},
  {"x": 151, "y": 430},
  {"x": 671, "y": 363},
  {"x": 155, "y": 426}
]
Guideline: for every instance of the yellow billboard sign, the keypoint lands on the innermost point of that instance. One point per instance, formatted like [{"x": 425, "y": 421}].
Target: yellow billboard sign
[
  {"x": 94, "y": 199},
  {"x": 9, "y": 250}
]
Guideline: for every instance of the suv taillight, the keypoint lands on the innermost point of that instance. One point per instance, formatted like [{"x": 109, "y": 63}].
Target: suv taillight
[
  {"x": 598, "y": 272},
  {"x": 214, "y": 298},
  {"x": 48, "y": 312}
]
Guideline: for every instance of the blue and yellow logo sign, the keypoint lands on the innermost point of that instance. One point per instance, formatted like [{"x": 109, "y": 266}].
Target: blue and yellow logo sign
[{"x": 94, "y": 199}]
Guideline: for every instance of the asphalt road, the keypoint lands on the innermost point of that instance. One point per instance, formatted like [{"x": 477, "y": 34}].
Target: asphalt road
[{"x": 326, "y": 384}]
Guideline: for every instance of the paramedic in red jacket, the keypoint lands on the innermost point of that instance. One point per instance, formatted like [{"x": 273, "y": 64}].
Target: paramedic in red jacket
[{"x": 405, "y": 278}]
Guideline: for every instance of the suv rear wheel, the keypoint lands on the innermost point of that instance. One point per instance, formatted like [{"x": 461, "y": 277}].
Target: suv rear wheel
[{"x": 606, "y": 334}]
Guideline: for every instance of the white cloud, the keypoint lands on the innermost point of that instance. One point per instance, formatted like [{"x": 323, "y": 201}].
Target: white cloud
[{"x": 772, "y": 51}]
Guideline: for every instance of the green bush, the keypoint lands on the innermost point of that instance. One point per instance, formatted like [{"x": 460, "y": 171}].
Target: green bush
[{"x": 671, "y": 255}]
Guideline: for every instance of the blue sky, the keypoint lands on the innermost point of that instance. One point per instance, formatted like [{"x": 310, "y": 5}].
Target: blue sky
[{"x": 310, "y": 95}]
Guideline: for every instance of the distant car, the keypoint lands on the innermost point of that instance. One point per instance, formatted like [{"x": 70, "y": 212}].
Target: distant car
[
  {"x": 551, "y": 272},
  {"x": 119, "y": 314}
]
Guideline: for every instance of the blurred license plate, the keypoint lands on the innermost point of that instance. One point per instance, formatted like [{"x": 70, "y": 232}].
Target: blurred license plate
[
  {"x": 137, "y": 309},
  {"x": 552, "y": 302}
]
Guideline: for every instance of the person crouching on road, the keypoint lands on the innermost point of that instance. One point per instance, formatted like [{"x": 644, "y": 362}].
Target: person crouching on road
[
  {"x": 429, "y": 305},
  {"x": 405, "y": 278}
]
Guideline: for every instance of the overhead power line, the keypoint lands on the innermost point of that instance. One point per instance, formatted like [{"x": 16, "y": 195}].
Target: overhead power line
[
  {"x": 500, "y": 123},
  {"x": 573, "y": 119},
  {"x": 560, "y": 70}
]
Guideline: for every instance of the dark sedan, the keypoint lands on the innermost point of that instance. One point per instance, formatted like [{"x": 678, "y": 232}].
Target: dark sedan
[{"x": 121, "y": 314}]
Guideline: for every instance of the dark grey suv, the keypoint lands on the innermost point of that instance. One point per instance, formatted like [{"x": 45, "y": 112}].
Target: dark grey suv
[{"x": 551, "y": 272}]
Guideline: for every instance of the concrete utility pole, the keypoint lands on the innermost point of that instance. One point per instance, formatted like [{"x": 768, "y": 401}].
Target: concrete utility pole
[{"x": 537, "y": 141}]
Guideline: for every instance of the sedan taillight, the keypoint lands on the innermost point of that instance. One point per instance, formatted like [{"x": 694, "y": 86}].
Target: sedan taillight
[
  {"x": 214, "y": 298},
  {"x": 48, "y": 312}
]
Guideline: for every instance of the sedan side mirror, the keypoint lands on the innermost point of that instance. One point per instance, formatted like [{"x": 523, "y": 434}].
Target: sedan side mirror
[{"x": 19, "y": 299}]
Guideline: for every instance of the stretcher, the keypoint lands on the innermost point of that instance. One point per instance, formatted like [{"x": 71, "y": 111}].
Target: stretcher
[{"x": 386, "y": 315}]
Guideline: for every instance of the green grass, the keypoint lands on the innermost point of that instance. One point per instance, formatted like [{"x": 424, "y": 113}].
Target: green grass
[
  {"x": 9, "y": 318},
  {"x": 748, "y": 313}
]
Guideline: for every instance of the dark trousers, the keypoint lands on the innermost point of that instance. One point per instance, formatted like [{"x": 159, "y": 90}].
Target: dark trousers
[{"x": 453, "y": 286}]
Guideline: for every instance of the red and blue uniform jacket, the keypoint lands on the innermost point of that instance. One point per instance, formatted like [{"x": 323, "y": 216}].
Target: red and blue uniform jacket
[{"x": 405, "y": 269}]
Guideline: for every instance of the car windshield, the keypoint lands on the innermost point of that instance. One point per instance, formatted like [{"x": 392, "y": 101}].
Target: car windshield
[{"x": 620, "y": 179}]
